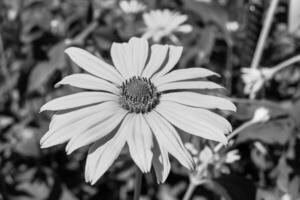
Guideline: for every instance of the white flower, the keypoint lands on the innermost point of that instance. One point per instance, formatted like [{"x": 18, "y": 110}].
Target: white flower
[
  {"x": 164, "y": 23},
  {"x": 206, "y": 155},
  {"x": 137, "y": 102},
  {"x": 232, "y": 26},
  {"x": 232, "y": 156},
  {"x": 254, "y": 79},
  {"x": 132, "y": 7},
  {"x": 261, "y": 114}
]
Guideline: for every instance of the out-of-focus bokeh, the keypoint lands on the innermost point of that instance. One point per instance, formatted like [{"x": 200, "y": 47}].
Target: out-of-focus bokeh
[{"x": 261, "y": 162}]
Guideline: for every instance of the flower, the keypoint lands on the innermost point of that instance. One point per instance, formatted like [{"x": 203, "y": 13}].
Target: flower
[
  {"x": 261, "y": 114},
  {"x": 254, "y": 79},
  {"x": 232, "y": 156},
  {"x": 164, "y": 23},
  {"x": 132, "y": 7},
  {"x": 137, "y": 102}
]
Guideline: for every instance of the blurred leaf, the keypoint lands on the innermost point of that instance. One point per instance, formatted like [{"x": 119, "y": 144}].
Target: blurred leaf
[
  {"x": 294, "y": 110},
  {"x": 29, "y": 145},
  {"x": 266, "y": 195},
  {"x": 43, "y": 70},
  {"x": 294, "y": 17},
  {"x": 209, "y": 12},
  {"x": 277, "y": 131},
  {"x": 246, "y": 108}
]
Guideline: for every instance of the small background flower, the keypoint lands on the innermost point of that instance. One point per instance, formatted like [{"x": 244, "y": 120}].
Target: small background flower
[{"x": 165, "y": 23}]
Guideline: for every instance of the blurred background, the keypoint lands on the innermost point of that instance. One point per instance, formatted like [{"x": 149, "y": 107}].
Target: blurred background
[{"x": 262, "y": 162}]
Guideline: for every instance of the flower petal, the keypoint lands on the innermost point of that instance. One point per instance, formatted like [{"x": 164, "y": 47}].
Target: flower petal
[
  {"x": 74, "y": 126},
  {"x": 161, "y": 163},
  {"x": 101, "y": 156},
  {"x": 176, "y": 21},
  {"x": 120, "y": 57},
  {"x": 173, "y": 57},
  {"x": 140, "y": 143},
  {"x": 140, "y": 48},
  {"x": 61, "y": 119},
  {"x": 199, "y": 100},
  {"x": 188, "y": 85},
  {"x": 166, "y": 134},
  {"x": 186, "y": 28},
  {"x": 157, "y": 57},
  {"x": 77, "y": 100},
  {"x": 94, "y": 65},
  {"x": 212, "y": 120},
  {"x": 183, "y": 74},
  {"x": 96, "y": 132},
  {"x": 193, "y": 121},
  {"x": 89, "y": 82}
]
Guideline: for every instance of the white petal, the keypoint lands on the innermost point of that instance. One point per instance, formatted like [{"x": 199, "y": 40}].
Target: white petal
[
  {"x": 77, "y": 100},
  {"x": 139, "y": 55},
  {"x": 120, "y": 56},
  {"x": 166, "y": 134},
  {"x": 210, "y": 119},
  {"x": 176, "y": 21},
  {"x": 190, "y": 121},
  {"x": 94, "y": 65},
  {"x": 173, "y": 57},
  {"x": 101, "y": 156},
  {"x": 61, "y": 119},
  {"x": 183, "y": 74},
  {"x": 90, "y": 82},
  {"x": 189, "y": 85},
  {"x": 161, "y": 163},
  {"x": 199, "y": 100},
  {"x": 74, "y": 126},
  {"x": 140, "y": 143},
  {"x": 96, "y": 132},
  {"x": 157, "y": 57},
  {"x": 186, "y": 28}
]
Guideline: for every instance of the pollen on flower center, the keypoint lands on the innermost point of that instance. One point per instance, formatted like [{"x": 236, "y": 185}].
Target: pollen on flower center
[{"x": 138, "y": 95}]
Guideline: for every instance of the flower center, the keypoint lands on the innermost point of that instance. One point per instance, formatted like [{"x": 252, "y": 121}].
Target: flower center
[{"x": 138, "y": 95}]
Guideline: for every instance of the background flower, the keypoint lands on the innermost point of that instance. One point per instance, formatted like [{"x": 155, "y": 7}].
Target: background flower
[
  {"x": 132, "y": 6},
  {"x": 165, "y": 23}
]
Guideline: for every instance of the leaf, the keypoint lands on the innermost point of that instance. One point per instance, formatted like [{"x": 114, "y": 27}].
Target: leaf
[
  {"x": 246, "y": 108},
  {"x": 209, "y": 12},
  {"x": 43, "y": 70},
  {"x": 277, "y": 131},
  {"x": 294, "y": 17}
]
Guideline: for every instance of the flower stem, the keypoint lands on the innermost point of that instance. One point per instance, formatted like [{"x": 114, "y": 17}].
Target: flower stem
[
  {"x": 233, "y": 134},
  {"x": 138, "y": 184},
  {"x": 264, "y": 33},
  {"x": 286, "y": 63},
  {"x": 189, "y": 192}
]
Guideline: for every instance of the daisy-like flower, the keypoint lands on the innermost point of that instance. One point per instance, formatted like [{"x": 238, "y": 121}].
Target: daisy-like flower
[
  {"x": 254, "y": 79},
  {"x": 164, "y": 23},
  {"x": 132, "y": 7},
  {"x": 139, "y": 101}
]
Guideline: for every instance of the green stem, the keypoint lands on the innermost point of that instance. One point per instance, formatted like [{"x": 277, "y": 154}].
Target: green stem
[
  {"x": 233, "y": 134},
  {"x": 138, "y": 184},
  {"x": 264, "y": 33},
  {"x": 286, "y": 63},
  {"x": 189, "y": 192}
]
